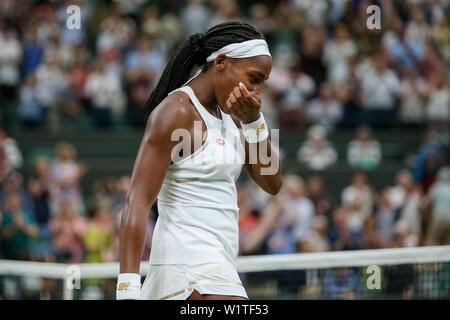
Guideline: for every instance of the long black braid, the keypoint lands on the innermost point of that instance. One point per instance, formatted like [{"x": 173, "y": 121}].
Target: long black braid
[{"x": 194, "y": 51}]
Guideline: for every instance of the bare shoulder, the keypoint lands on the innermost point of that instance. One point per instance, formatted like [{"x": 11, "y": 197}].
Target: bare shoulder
[{"x": 174, "y": 112}]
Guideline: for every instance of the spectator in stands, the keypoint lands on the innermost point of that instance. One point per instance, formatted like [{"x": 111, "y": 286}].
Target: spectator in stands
[
  {"x": 405, "y": 198},
  {"x": 103, "y": 191},
  {"x": 260, "y": 198},
  {"x": 249, "y": 222},
  {"x": 143, "y": 67},
  {"x": 358, "y": 194},
  {"x": 195, "y": 17},
  {"x": 316, "y": 240},
  {"x": 144, "y": 59},
  {"x": 380, "y": 87},
  {"x": 324, "y": 110},
  {"x": 310, "y": 53},
  {"x": 281, "y": 237},
  {"x": 340, "y": 236},
  {"x": 32, "y": 52},
  {"x": 316, "y": 152},
  {"x": 271, "y": 232},
  {"x": 105, "y": 95},
  {"x": 386, "y": 216},
  {"x": 341, "y": 283},
  {"x": 62, "y": 52},
  {"x": 116, "y": 32},
  {"x": 260, "y": 18},
  {"x": 438, "y": 106},
  {"x": 67, "y": 230},
  {"x": 417, "y": 31},
  {"x": 74, "y": 105},
  {"x": 120, "y": 197},
  {"x": 98, "y": 236},
  {"x": 371, "y": 238},
  {"x": 429, "y": 159},
  {"x": 398, "y": 194},
  {"x": 298, "y": 206},
  {"x": 439, "y": 232},
  {"x": 431, "y": 64},
  {"x": 348, "y": 92},
  {"x": 66, "y": 174},
  {"x": 10, "y": 58},
  {"x": 77, "y": 76},
  {"x": 40, "y": 192},
  {"x": 13, "y": 183},
  {"x": 152, "y": 23},
  {"x": 19, "y": 230},
  {"x": 356, "y": 215},
  {"x": 50, "y": 83},
  {"x": 98, "y": 243},
  {"x": 304, "y": 83},
  {"x": 223, "y": 10},
  {"x": 11, "y": 149},
  {"x": 336, "y": 54},
  {"x": 364, "y": 152},
  {"x": 413, "y": 92},
  {"x": 30, "y": 112},
  {"x": 5, "y": 166},
  {"x": 440, "y": 33},
  {"x": 323, "y": 201},
  {"x": 246, "y": 204},
  {"x": 292, "y": 114}
]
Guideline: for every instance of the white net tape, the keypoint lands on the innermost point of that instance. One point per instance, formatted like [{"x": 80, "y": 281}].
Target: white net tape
[{"x": 304, "y": 261}]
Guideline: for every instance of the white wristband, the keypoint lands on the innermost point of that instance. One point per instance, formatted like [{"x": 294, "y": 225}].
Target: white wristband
[
  {"x": 255, "y": 131},
  {"x": 128, "y": 286}
]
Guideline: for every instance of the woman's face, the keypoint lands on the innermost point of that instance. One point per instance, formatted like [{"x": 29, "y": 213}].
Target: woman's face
[{"x": 229, "y": 72}]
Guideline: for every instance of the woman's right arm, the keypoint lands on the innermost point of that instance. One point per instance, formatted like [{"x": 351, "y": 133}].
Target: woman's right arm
[{"x": 152, "y": 161}]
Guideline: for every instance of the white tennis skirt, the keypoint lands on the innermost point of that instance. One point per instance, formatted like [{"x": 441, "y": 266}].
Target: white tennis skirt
[{"x": 178, "y": 281}]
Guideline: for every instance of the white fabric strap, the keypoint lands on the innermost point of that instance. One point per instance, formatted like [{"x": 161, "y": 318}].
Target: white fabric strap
[
  {"x": 255, "y": 131},
  {"x": 246, "y": 49},
  {"x": 128, "y": 286}
]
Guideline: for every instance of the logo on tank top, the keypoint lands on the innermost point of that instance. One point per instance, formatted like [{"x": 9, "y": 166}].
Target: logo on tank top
[{"x": 220, "y": 141}]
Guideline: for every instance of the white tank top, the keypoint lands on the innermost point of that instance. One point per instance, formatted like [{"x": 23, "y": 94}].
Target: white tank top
[{"x": 197, "y": 203}]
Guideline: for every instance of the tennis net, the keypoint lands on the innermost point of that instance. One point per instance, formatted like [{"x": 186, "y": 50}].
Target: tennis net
[{"x": 397, "y": 273}]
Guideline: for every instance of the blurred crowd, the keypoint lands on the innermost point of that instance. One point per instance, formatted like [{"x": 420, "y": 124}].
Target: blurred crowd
[
  {"x": 329, "y": 71},
  {"x": 329, "y": 68},
  {"x": 49, "y": 218}
]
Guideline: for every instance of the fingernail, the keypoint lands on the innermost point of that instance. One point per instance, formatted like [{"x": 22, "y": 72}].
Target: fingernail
[{"x": 241, "y": 85}]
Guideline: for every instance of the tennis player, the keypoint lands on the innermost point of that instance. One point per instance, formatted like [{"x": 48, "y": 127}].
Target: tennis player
[{"x": 212, "y": 79}]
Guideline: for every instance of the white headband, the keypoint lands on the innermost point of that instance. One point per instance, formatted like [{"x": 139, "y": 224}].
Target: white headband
[{"x": 246, "y": 49}]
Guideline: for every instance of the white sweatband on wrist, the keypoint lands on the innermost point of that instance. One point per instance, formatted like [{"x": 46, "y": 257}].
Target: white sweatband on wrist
[
  {"x": 128, "y": 286},
  {"x": 255, "y": 131}
]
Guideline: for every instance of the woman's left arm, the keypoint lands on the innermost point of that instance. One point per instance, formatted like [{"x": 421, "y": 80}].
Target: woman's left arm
[
  {"x": 261, "y": 159},
  {"x": 263, "y": 166}
]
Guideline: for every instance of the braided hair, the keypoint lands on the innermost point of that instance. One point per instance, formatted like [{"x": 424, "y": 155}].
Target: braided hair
[{"x": 194, "y": 51}]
